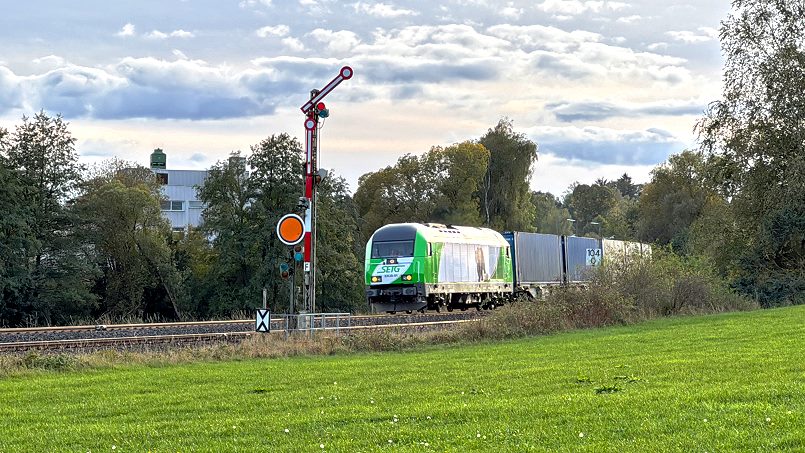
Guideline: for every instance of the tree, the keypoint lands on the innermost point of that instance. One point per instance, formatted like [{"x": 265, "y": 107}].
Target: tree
[
  {"x": 505, "y": 195},
  {"x": 673, "y": 200},
  {"x": 460, "y": 170},
  {"x": 550, "y": 214},
  {"x": 406, "y": 192},
  {"x": 339, "y": 258},
  {"x": 16, "y": 238},
  {"x": 122, "y": 221},
  {"x": 42, "y": 152},
  {"x": 591, "y": 203},
  {"x": 228, "y": 198},
  {"x": 755, "y": 140},
  {"x": 626, "y": 188}
]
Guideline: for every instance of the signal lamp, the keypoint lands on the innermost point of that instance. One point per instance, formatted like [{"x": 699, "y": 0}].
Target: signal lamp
[{"x": 321, "y": 110}]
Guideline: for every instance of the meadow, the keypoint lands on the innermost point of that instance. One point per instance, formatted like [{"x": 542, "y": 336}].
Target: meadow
[{"x": 727, "y": 382}]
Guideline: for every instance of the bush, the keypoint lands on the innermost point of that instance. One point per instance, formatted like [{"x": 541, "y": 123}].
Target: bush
[
  {"x": 58, "y": 362},
  {"x": 668, "y": 284}
]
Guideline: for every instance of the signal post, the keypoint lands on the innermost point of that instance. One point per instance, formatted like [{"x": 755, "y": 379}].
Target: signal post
[{"x": 313, "y": 110}]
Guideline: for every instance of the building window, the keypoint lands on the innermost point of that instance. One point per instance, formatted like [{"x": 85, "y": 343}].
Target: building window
[
  {"x": 195, "y": 205},
  {"x": 162, "y": 178},
  {"x": 172, "y": 205}
]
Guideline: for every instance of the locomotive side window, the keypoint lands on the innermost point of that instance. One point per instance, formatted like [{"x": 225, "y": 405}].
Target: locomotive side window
[{"x": 392, "y": 249}]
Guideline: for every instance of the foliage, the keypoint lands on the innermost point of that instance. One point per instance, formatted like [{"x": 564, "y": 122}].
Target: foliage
[
  {"x": 442, "y": 186},
  {"x": 41, "y": 152},
  {"x": 505, "y": 194},
  {"x": 128, "y": 238},
  {"x": 755, "y": 140},
  {"x": 550, "y": 215},
  {"x": 339, "y": 257},
  {"x": 590, "y": 204},
  {"x": 673, "y": 200}
]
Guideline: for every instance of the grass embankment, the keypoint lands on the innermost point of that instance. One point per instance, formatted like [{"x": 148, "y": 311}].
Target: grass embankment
[{"x": 730, "y": 382}]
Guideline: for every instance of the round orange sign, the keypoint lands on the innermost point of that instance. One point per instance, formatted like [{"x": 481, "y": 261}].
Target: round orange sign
[{"x": 291, "y": 229}]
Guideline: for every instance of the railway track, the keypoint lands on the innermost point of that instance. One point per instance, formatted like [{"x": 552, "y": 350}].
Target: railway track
[{"x": 127, "y": 336}]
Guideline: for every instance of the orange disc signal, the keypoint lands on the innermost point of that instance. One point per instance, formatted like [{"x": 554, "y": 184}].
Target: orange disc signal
[{"x": 291, "y": 229}]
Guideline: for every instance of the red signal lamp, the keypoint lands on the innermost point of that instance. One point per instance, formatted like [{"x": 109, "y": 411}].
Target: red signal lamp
[{"x": 321, "y": 110}]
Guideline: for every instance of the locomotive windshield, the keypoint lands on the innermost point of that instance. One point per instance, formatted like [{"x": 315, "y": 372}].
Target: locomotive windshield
[{"x": 392, "y": 249}]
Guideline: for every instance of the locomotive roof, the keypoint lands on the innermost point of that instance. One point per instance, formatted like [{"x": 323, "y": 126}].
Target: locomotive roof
[{"x": 434, "y": 232}]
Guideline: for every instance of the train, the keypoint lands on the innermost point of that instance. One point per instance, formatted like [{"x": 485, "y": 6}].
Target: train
[{"x": 430, "y": 266}]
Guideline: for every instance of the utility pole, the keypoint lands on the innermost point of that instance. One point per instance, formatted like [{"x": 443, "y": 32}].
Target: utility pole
[{"x": 313, "y": 110}]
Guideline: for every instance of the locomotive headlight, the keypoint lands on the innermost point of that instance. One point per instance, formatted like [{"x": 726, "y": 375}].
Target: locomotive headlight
[
  {"x": 408, "y": 278},
  {"x": 375, "y": 278}
]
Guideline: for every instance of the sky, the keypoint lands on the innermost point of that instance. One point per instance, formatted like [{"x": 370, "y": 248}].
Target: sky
[{"x": 603, "y": 87}]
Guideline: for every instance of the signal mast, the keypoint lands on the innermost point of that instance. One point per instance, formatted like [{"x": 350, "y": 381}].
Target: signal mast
[{"x": 313, "y": 110}]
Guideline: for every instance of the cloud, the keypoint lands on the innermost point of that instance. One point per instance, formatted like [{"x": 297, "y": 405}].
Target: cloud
[
  {"x": 156, "y": 34},
  {"x": 383, "y": 10},
  {"x": 606, "y": 146},
  {"x": 198, "y": 157},
  {"x": 601, "y": 110},
  {"x": 254, "y": 3},
  {"x": 293, "y": 44},
  {"x": 336, "y": 41},
  {"x": 10, "y": 92},
  {"x": 127, "y": 30},
  {"x": 149, "y": 88},
  {"x": 703, "y": 34},
  {"x": 511, "y": 12},
  {"x": 275, "y": 30},
  {"x": 630, "y": 19},
  {"x": 179, "y": 54},
  {"x": 575, "y": 7}
]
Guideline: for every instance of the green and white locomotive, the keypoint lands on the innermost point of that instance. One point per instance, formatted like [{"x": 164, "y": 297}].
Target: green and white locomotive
[{"x": 412, "y": 266}]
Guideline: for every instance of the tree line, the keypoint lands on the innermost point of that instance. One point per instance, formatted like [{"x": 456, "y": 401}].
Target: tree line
[{"x": 86, "y": 244}]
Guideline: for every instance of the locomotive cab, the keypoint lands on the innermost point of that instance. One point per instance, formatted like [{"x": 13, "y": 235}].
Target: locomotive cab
[
  {"x": 394, "y": 267},
  {"x": 414, "y": 267}
]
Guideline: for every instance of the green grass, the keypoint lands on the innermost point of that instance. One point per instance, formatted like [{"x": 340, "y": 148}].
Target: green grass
[{"x": 733, "y": 382}]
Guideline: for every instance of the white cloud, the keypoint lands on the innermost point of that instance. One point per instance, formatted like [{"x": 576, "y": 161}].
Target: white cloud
[
  {"x": 273, "y": 30},
  {"x": 703, "y": 34},
  {"x": 127, "y": 30},
  {"x": 511, "y": 12},
  {"x": 179, "y": 54},
  {"x": 629, "y": 19},
  {"x": 383, "y": 10},
  {"x": 576, "y": 7},
  {"x": 336, "y": 41},
  {"x": 254, "y": 3},
  {"x": 50, "y": 60},
  {"x": 293, "y": 44},
  {"x": 156, "y": 34}
]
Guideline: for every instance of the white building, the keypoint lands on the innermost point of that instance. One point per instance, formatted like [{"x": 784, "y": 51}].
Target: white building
[{"x": 180, "y": 187}]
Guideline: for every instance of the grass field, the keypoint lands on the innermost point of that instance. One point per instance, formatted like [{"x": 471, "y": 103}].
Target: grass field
[{"x": 733, "y": 382}]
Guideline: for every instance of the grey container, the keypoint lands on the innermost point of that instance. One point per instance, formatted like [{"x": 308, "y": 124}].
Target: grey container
[
  {"x": 576, "y": 257},
  {"x": 537, "y": 258}
]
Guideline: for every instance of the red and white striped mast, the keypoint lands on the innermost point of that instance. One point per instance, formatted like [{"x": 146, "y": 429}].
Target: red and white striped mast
[{"x": 312, "y": 110}]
